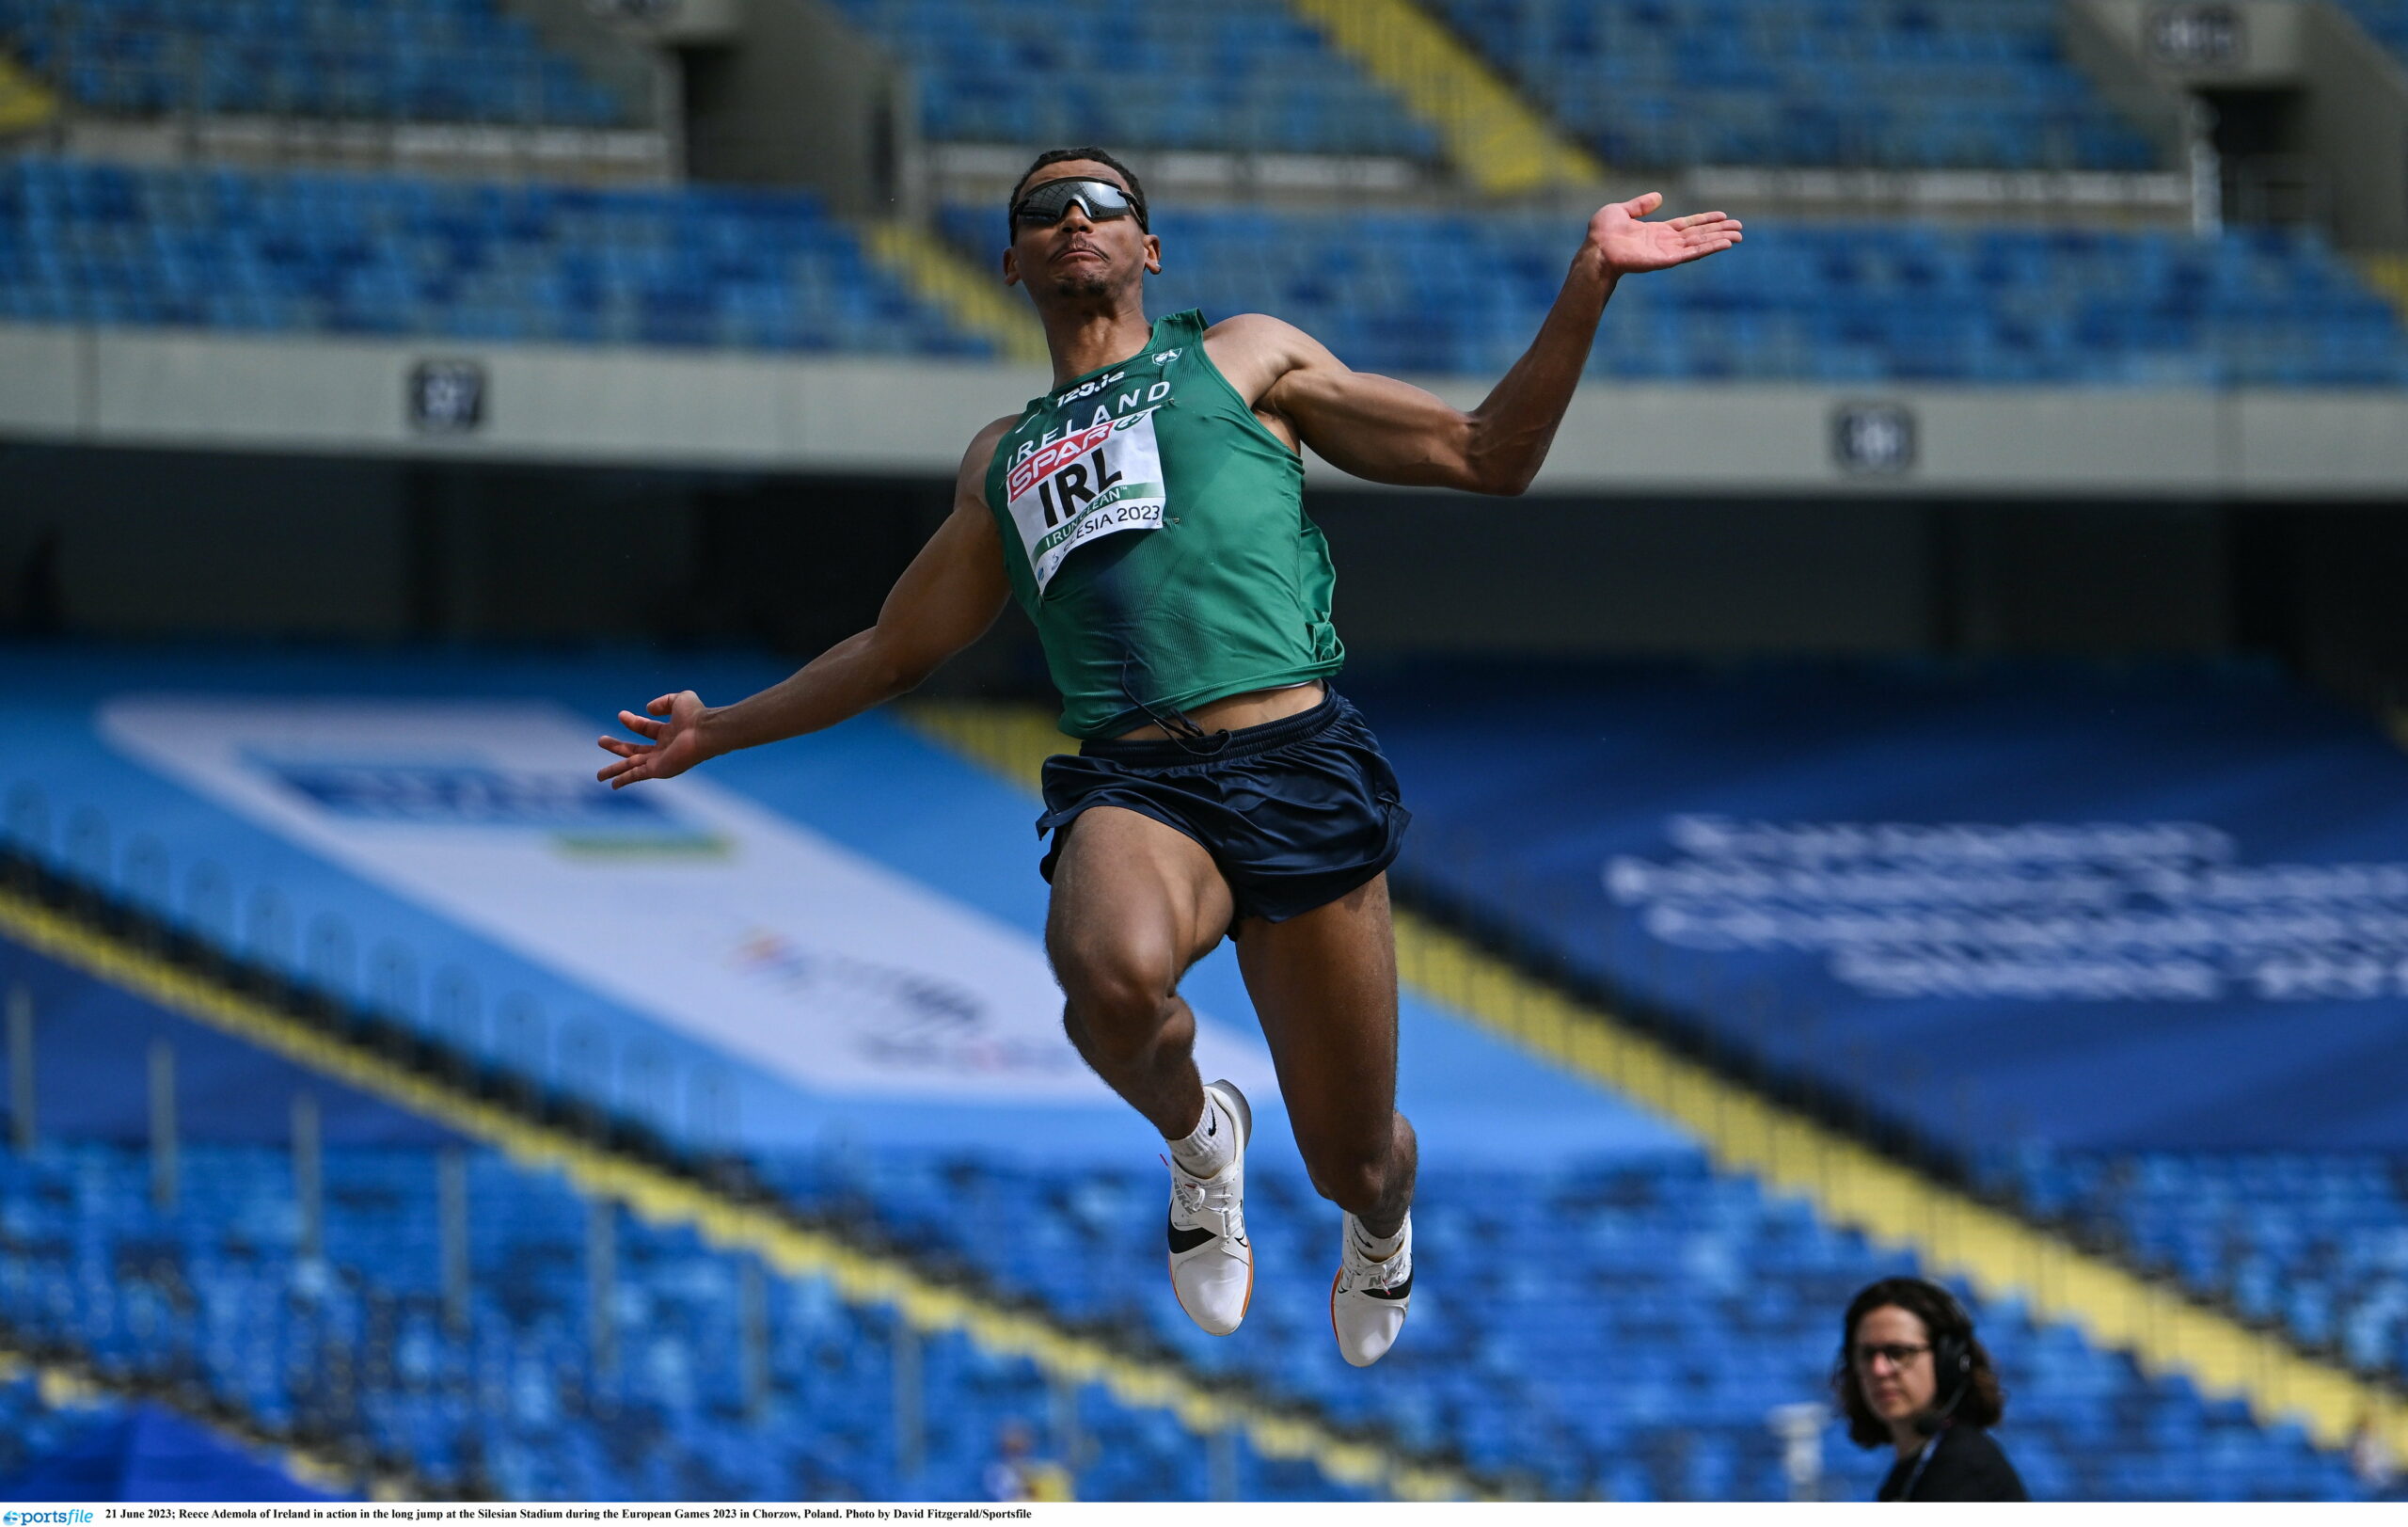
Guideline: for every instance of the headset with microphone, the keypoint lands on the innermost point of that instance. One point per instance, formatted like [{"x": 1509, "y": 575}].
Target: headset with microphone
[{"x": 1952, "y": 1356}]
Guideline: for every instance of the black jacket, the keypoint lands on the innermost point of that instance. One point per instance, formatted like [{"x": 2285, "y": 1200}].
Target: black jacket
[{"x": 1965, "y": 1466}]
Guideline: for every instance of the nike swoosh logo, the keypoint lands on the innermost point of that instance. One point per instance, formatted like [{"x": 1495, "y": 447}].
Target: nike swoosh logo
[{"x": 1187, "y": 1240}]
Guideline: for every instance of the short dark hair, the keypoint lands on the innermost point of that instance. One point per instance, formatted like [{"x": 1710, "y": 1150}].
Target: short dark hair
[
  {"x": 1055, "y": 156},
  {"x": 1983, "y": 1402}
]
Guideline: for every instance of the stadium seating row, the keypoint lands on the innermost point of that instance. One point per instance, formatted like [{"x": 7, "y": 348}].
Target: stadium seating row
[
  {"x": 1653, "y": 1382},
  {"x": 1620, "y": 1329},
  {"x": 85, "y": 243},
  {"x": 1651, "y": 82},
  {"x": 445, "y": 60},
  {"x": 1242, "y": 74},
  {"x": 2316, "y": 1243},
  {"x": 1407, "y": 293},
  {"x": 530, "y": 1400},
  {"x": 1878, "y": 82},
  {"x": 1410, "y": 292}
]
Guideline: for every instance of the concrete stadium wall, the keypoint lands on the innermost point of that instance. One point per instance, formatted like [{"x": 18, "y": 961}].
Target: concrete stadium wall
[{"x": 912, "y": 418}]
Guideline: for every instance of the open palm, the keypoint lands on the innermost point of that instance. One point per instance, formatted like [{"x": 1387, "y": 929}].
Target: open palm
[
  {"x": 1629, "y": 243},
  {"x": 675, "y": 747}
]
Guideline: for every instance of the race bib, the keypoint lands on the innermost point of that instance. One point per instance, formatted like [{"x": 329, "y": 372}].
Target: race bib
[{"x": 1089, "y": 483}]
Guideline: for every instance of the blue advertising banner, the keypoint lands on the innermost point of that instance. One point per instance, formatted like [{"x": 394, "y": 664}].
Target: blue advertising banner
[{"x": 2156, "y": 909}]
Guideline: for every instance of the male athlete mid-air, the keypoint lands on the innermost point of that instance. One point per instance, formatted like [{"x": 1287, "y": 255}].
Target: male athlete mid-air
[{"x": 1148, "y": 513}]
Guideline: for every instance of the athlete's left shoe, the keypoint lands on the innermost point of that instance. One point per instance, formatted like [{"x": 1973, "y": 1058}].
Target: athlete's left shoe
[
  {"x": 1368, "y": 1300},
  {"x": 1212, "y": 1263}
]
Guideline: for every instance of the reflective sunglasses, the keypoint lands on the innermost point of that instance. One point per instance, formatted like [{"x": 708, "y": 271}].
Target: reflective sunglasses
[{"x": 1100, "y": 200}]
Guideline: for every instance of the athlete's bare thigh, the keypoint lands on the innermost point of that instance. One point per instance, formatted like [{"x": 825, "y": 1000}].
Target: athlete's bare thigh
[
  {"x": 1135, "y": 904},
  {"x": 1129, "y": 891}
]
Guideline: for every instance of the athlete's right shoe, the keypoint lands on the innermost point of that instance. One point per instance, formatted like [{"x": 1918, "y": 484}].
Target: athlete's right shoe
[
  {"x": 1212, "y": 1263},
  {"x": 1368, "y": 1300}
]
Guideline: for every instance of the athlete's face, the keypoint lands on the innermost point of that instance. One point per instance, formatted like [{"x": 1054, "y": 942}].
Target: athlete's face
[
  {"x": 1079, "y": 257},
  {"x": 1892, "y": 1356}
]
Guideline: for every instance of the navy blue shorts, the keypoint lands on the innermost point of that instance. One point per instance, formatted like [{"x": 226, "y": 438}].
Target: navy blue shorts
[{"x": 1296, "y": 812}]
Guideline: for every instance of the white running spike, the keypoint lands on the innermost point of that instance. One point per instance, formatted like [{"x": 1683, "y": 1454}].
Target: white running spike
[
  {"x": 1368, "y": 1300},
  {"x": 1212, "y": 1263}
]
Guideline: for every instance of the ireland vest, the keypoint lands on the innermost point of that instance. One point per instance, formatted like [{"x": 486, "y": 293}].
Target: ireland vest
[{"x": 1155, "y": 531}]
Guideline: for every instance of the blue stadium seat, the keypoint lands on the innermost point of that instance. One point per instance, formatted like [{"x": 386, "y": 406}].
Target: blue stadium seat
[
  {"x": 390, "y": 255},
  {"x": 1964, "y": 85},
  {"x": 1237, "y": 75},
  {"x": 217, "y": 1297},
  {"x": 1389, "y": 291},
  {"x": 1423, "y": 293},
  {"x": 2317, "y": 1244},
  {"x": 1698, "y": 1304},
  {"x": 437, "y": 60}
]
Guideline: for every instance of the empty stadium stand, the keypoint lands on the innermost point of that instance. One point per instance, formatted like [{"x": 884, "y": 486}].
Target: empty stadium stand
[
  {"x": 1616, "y": 1331},
  {"x": 1702, "y": 1298},
  {"x": 1412, "y": 292},
  {"x": 334, "y": 253},
  {"x": 2107, "y": 961},
  {"x": 1390, "y": 292},
  {"x": 452, "y": 61},
  {"x": 2314, "y": 1242},
  {"x": 1462, "y": 293},
  {"x": 1415, "y": 294},
  {"x": 565, "y": 1384},
  {"x": 1244, "y": 75},
  {"x": 1949, "y": 86}
]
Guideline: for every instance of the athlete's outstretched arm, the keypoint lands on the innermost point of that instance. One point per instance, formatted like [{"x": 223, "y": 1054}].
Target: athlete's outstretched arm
[
  {"x": 1392, "y": 432},
  {"x": 952, "y": 592}
]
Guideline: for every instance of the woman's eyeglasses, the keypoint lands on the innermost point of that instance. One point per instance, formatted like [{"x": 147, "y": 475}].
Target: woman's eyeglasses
[{"x": 1899, "y": 1353}]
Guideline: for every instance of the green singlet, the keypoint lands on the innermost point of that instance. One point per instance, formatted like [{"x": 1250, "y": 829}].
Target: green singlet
[{"x": 1155, "y": 531}]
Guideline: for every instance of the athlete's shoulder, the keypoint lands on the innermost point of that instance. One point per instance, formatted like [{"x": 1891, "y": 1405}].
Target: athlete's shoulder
[
  {"x": 982, "y": 445},
  {"x": 1256, "y": 351},
  {"x": 981, "y": 453},
  {"x": 1254, "y": 328}
]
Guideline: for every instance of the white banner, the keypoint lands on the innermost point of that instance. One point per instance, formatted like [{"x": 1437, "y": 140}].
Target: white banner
[{"x": 678, "y": 900}]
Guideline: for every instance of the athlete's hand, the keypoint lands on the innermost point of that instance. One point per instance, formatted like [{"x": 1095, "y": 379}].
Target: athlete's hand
[
  {"x": 676, "y": 743},
  {"x": 1630, "y": 244}
]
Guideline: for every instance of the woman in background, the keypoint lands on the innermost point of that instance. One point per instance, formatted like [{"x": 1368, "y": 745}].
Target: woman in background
[{"x": 1911, "y": 1373}]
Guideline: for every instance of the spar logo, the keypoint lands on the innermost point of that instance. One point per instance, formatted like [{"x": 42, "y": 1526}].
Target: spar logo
[{"x": 1061, "y": 478}]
